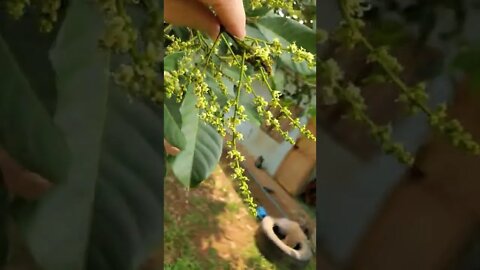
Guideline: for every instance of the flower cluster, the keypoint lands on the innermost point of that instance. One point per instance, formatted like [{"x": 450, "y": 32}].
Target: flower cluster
[
  {"x": 351, "y": 94},
  {"x": 143, "y": 48},
  {"x": 300, "y": 55},
  {"x": 219, "y": 73},
  {"x": 452, "y": 128},
  {"x": 48, "y": 10},
  {"x": 278, "y": 4},
  {"x": 239, "y": 175},
  {"x": 16, "y": 8},
  {"x": 382, "y": 55},
  {"x": 175, "y": 79},
  {"x": 414, "y": 97},
  {"x": 120, "y": 35}
]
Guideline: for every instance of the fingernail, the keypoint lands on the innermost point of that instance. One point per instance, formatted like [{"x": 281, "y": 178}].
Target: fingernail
[
  {"x": 241, "y": 33},
  {"x": 242, "y": 30}
]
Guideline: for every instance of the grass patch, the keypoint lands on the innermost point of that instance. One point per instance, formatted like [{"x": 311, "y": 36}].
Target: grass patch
[
  {"x": 254, "y": 260},
  {"x": 232, "y": 207},
  {"x": 308, "y": 209},
  {"x": 198, "y": 234},
  {"x": 181, "y": 254}
]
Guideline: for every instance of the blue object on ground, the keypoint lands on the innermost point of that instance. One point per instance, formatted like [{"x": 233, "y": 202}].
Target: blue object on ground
[{"x": 261, "y": 212}]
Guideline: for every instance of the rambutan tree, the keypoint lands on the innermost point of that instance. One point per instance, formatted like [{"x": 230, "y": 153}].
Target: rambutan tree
[{"x": 89, "y": 88}]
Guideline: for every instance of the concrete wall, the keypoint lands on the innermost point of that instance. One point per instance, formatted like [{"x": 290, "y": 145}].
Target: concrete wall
[{"x": 259, "y": 143}]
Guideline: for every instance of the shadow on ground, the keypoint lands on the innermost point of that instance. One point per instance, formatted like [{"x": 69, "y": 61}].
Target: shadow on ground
[{"x": 207, "y": 227}]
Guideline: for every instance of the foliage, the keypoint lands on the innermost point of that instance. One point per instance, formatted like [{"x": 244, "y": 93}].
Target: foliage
[
  {"x": 100, "y": 145},
  {"x": 90, "y": 120},
  {"x": 101, "y": 148},
  {"x": 220, "y": 72}
]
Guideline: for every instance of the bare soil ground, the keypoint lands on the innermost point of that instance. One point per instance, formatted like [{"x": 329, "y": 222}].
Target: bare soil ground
[{"x": 207, "y": 227}]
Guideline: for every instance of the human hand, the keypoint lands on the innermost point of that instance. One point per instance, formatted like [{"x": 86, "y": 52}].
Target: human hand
[
  {"x": 170, "y": 149},
  {"x": 196, "y": 14},
  {"x": 19, "y": 181}
]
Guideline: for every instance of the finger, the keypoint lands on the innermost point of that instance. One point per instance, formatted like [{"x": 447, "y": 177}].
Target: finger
[
  {"x": 31, "y": 186},
  {"x": 21, "y": 182},
  {"x": 231, "y": 14},
  {"x": 171, "y": 150},
  {"x": 191, "y": 13}
]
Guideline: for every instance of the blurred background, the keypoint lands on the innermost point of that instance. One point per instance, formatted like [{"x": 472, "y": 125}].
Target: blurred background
[{"x": 373, "y": 212}]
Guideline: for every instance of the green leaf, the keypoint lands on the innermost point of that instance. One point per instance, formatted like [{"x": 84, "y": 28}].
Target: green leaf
[
  {"x": 203, "y": 149},
  {"x": 57, "y": 228},
  {"x": 300, "y": 68},
  {"x": 172, "y": 130},
  {"x": 19, "y": 35},
  {"x": 250, "y": 109},
  {"x": 289, "y": 30},
  {"x": 279, "y": 79},
  {"x": 108, "y": 215},
  {"x": 252, "y": 31},
  {"x": 170, "y": 61},
  {"x": 26, "y": 130},
  {"x": 258, "y": 12},
  {"x": 128, "y": 209},
  {"x": 312, "y": 112},
  {"x": 129, "y": 186}
]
